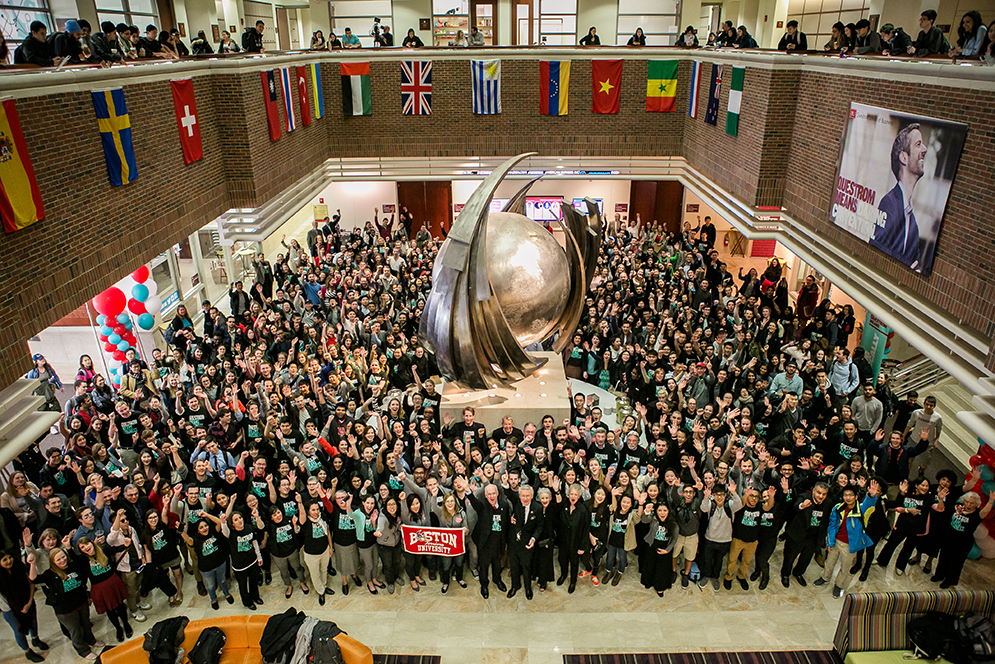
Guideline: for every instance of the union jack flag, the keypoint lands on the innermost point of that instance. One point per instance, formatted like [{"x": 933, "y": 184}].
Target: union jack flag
[{"x": 416, "y": 88}]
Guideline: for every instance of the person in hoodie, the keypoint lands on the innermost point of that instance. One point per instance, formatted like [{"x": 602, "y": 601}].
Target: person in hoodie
[
  {"x": 744, "y": 39},
  {"x": 930, "y": 40},
  {"x": 200, "y": 45},
  {"x": 845, "y": 538},
  {"x": 105, "y": 45},
  {"x": 69, "y": 44},
  {"x": 252, "y": 38},
  {"x": 894, "y": 41}
]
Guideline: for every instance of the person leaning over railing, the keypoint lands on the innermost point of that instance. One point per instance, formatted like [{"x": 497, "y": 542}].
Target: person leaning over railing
[
  {"x": 105, "y": 44},
  {"x": 149, "y": 46},
  {"x": 252, "y": 38},
  {"x": 689, "y": 39},
  {"x": 930, "y": 40},
  {"x": 723, "y": 38},
  {"x": 591, "y": 38},
  {"x": 793, "y": 38},
  {"x": 227, "y": 45},
  {"x": 412, "y": 40},
  {"x": 837, "y": 42},
  {"x": 744, "y": 39},
  {"x": 69, "y": 44},
  {"x": 200, "y": 45},
  {"x": 637, "y": 39},
  {"x": 868, "y": 41},
  {"x": 971, "y": 34},
  {"x": 36, "y": 49},
  {"x": 894, "y": 41}
]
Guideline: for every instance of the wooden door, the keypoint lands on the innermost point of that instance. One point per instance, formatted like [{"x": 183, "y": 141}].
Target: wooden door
[
  {"x": 427, "y": 201},
  {"x": 521, "y": 24},
  {"x": 167, "y": 19},
  {"x": 282, "y": 29}
]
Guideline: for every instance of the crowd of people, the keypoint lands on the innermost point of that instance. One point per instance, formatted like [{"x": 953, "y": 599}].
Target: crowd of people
[
  {"x": 288, "y": 440},
  {"x": 114, "y": 43}
]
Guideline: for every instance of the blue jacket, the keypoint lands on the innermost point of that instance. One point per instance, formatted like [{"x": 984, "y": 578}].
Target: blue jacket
[
  {"x": 858, "y": 539},
  {"x": 53, "y": 379},
  {"x": 892, "y": 238}
]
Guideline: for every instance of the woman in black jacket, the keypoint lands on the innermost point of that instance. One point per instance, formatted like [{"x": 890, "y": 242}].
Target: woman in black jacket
[
  {"x": 67, "y": 594},
  {"x": 656, "y": 568},
  {"x": 575, "y": 530},
  {"x": 637, "y": 39},
  {"x": 591, "y": 38},
  {"x": 107, "y": 591},
  {"x": 543, "y": 567},
  {"x": 18, "y": 605},
  {"x": 244, "y": 541}
]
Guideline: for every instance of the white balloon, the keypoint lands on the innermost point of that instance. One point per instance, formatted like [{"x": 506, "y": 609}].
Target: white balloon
[
  {"x": 153, "y": 305},
  {"x": 113, "y": 363},
  {"x": 152, "y": 285}
]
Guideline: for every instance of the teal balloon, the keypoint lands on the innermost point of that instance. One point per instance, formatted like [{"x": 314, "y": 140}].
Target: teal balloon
[
  {"x": 988, "y": 487},
  {"x": 975, "y": 552},
  {"x": 146, "y": 321},
  {"x": 106, "y": 331},
  {"x": 127, "y": 324},
  {"x": 140, "y": 292},
  {"x": 113, "y": 339},
  {"x": 123, "y": 346},
  {"x": 100, "y": 319},
  {"x": 986, "y": 473},
  {"x": 122, "y": 318}
]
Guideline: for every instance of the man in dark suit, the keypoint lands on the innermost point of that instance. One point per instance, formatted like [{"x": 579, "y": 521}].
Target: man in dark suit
[
  {"x": 899, "y": 238},
  {"x": 490, "y": 534},
  {"x": 525, "y": 523}
]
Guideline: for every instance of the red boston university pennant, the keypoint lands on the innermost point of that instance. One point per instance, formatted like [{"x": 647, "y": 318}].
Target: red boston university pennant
[{"x": 187, "y": 120}]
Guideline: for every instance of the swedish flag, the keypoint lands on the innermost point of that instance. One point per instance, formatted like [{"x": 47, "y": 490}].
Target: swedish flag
[{"x": 115, "y": 135}]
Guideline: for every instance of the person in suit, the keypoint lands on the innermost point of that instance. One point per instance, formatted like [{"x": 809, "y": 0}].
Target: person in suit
[
  {"x": 490, "y": 534},
  {"x": 899, "y": 237},
  {"x": 526, "y": 522}
]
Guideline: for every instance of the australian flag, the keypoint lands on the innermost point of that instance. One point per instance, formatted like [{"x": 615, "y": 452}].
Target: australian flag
[
  {"x": 712, "y": 112},
  {"x": 416, "y": 88}
]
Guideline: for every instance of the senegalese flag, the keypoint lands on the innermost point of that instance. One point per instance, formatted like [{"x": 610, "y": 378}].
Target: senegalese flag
[
  {"x": 735, "y": 100},
  {"x": 20, "y": 200},
  {"x": 317, "y": 99},
  {"x": 115, "y": 135},
  {"x": 554, "y": 87},
  {"x": 356, "y": 99},
  {"x": 661, "y": 86}
]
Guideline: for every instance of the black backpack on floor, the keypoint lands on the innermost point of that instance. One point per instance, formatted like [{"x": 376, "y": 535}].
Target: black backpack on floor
[
  {"x": 163, "y": 640},
  {"x": 932, "y": 636},
  {"x": 207, "y": 650},
  {"x": 975, "y": 640},
  {"x": 324, "y": 648}
]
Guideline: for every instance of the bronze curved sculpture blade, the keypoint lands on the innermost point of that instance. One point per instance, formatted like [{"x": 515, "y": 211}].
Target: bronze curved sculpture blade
[{"x": 516, "y": 203}]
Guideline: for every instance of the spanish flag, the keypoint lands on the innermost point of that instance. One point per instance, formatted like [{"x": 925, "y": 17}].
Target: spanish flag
[
  {"x": 554, "y": 87},
  {"x": 20, "y": 200},
  {"x": 115, "y": 135},
  {"x": 661, "y": 86}
]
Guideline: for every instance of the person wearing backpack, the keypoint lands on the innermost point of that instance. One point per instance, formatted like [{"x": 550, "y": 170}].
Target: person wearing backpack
[
  {"x": 876, "y": 525},
  {"x": 931, "y": 40},
  {"x": 36, "y": 49},
  {"x": 720, "y": 508},
  {"x": 844, "y": 538},
  {"x": 843, "y": 376},
  {"x": 965, "y": 518}
]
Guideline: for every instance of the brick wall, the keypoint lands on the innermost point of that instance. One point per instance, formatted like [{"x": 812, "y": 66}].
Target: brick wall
[{"x": 962, "y": 282}]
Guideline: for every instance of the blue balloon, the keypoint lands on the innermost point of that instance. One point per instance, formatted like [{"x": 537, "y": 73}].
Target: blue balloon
[
  {"x": 106, "y": 331},
  {"x": 123, "y": 346},
  {"x": 100, "y": 319},
  {"x": 986, "y": 473},
  {"x": 113, "y": 370},
  {"x": 116, "y": 380},
  {"x": 140, "y": 292},
  {"x": 122, "y": 318},
  {"x": 146, "y": 321},
  {"x": 127, "y": 324},
  {"x": 988, "y": 487},
  {"x": 975, "y": 552},
  {"x": 113, "y": 339}
]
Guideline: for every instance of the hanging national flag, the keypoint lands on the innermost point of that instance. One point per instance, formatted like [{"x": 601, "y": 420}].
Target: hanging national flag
[
  {"x": 554, "y": 87},
  {"x": 486, "y": 86},
  {"x": 302, "y": 95},
  {"x": 356, "y": 99},
  {"x": 606, "y": 76},
  {"x": 416, "y": 88},
  {"x": 20, "y": 200},
  {"x": 661, "y": 86},
  {"x": 714, "y": 88},
  {"x": 186, "y": 120},
  {"x": 288, "y": 99},
  {"x": 735, "y": 100},
  {"x": 316, "y": 95},
  {"x": 695, "y": 80},
  {"x": 272, "y": 109},
  {"x": 115, "y": 135}
]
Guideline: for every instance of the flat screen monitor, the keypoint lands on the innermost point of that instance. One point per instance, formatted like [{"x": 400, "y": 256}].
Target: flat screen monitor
[
  {"x": 543, "y": 208},
  {"x": 581, "y": 206}
]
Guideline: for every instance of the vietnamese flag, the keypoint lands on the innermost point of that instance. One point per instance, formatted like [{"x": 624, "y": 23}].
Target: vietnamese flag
[
  {"x": 20, "y": 200},
  {"x": 606, "y": 76},
  {"x": 272, "y": 109}
]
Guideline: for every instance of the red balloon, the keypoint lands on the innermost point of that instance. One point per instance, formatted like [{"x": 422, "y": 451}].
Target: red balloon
[
  {"x": 119, "y": 356},
  {"x": 109, "y": 347},
  {"x": 976, "y": 461},
  {"x": 111, "y": 302},
  {"x": 136, "y": 307},
  {"x": 141, "y": 275}
]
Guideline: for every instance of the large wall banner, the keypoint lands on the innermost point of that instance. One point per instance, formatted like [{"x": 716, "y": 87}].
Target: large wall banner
[{"x": 894, "y": 178}]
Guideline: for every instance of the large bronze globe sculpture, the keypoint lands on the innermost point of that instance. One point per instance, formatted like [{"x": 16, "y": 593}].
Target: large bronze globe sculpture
[{"x": 502, "y": 282}]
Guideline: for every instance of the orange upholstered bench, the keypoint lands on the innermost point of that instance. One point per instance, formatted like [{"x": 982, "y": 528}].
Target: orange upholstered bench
[{"x": 242, "y": 645}]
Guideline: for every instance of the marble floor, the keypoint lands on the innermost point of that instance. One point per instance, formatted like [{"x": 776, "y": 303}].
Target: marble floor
[{"x": 465, "y": 629}]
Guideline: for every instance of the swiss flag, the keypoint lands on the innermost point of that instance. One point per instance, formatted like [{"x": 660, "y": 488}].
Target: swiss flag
[
  {"x": 187, "y": 120},
  {"x": 272, "y": 108},
  {"x": 302, "y": 83}
]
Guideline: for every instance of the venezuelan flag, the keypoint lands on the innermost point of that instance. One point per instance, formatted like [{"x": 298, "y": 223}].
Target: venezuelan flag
[
  {"x": 20, "y": 200},
  {"x": 316, "y": 97},
  {"x": 661, "y": 86},
  {"x": 554, "y": 87},
  {"x": 115, "y": 134}
]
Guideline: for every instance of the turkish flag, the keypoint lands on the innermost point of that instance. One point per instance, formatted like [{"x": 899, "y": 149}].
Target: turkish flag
[
  {"x": 606, "y": 76},
  {"x": 272, "y": 108},
  {"x": 187, "y": 120},
  {"x": 302, "y": 83}
]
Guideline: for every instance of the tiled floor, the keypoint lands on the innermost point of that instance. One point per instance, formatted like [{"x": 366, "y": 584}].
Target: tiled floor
[{"x": 465, "y": 629}]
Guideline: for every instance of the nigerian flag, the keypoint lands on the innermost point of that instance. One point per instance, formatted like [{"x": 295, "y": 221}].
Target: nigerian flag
[{"x": 735, "y": 101}]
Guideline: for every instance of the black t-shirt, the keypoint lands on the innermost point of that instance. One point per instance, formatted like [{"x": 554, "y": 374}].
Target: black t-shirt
[
  {"x": 343, "y": 528},
  {"x": 913, "y": 523},
  {"x": 616, "y": 536},
  {"x": 212, "y": 550},
  {"x": 962, "y": 527},
  {"x": 98, "y": 572},
  {"x": 606, "y": 455},
  {"x": 627, "y": 456},
  {"x": 198, "y": 418},
  {"x": 253, "y": 431},
  {"x": 282, "y": 540},
  {"x": 163, "y": 545},
  {"x": 315, "y": 537},
  {"x": 69, "y": 594},
  {"x": 746, "y": 523},
  {"x": 243, "y": 553},
  {"x": 128, "y": 429}
]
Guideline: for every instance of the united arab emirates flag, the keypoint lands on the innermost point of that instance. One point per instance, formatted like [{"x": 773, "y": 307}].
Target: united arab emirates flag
[
  {"x": 356, "y": 98},
  {"x": 735, "y": 100}
]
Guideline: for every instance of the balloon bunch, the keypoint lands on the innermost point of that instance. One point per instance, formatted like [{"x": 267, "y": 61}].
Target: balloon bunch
[
  {"x": 135, "y": 293},
  {"x": 981, "y": 480}
]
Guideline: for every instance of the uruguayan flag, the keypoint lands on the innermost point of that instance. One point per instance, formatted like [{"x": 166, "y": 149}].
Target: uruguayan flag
[{"x": 486, "y": 86}]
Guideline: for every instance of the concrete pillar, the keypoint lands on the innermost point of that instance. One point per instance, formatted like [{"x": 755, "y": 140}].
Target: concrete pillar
[
  {"x": 505, "y": 12},
  {"x": 748, "y": 10}
]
